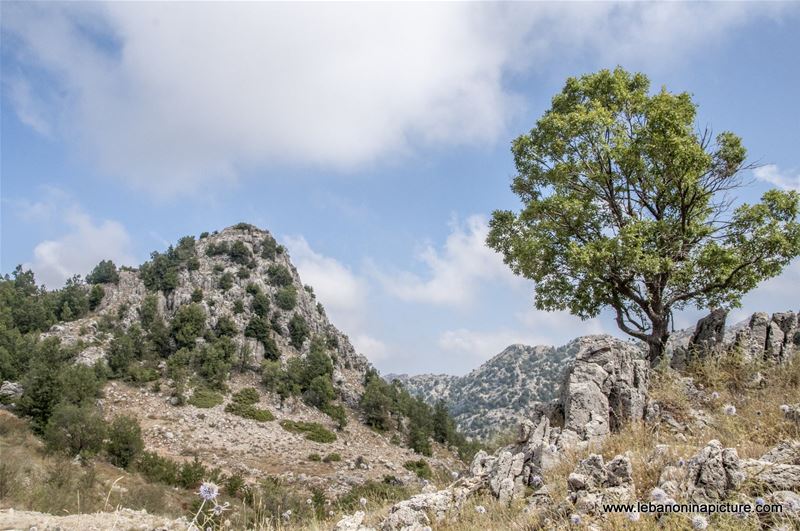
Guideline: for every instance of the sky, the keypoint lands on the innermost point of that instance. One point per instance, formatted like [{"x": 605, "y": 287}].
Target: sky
[{"x": 372, "y": 139}]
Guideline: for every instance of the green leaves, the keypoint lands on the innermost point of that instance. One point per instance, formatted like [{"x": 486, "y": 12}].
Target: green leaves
[{"x": 625, "y": 206}]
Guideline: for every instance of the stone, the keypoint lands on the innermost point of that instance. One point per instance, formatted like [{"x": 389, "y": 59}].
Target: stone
[
  {"x": 712, "y": 473},
  {"x": 708, "y": 339},
  {"x": 771, "y": 475},
  {"x": 605, "y": 388},
  {"x": 786, "y": 453},
  {"x": 594, "y": 483},
  {"x": 351, "y": 523},
  {"x": 10, "y": 391}
]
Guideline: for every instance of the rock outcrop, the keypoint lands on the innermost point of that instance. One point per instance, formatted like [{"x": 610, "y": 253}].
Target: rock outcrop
[
  {"x": 706, "y": 340},
  {"x": 594, "y": 483},
  {"x": 774, "y": 339}
]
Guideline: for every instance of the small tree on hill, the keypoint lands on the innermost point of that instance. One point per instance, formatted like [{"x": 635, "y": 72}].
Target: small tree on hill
[{"x": 625, "y": 205}]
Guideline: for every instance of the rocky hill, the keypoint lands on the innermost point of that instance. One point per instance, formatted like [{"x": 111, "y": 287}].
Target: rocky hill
[{"x": 495, "y": 396}]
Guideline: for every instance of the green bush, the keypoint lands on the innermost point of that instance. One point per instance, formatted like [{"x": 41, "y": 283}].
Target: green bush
[
  {"x": 258, "y": 329},
  {"x": 313, "y": 431},
  {"x": 239, "y": 253},
  {"x": 249, "y": 411},
  {"x": 298, "y": 330},
  {"x": 238, "y": 307},
  {"x": 226, "y": 281},
  {"x": 315, "y": 458},
  {"x": 268, "y": 248},
  {"x": 191, "y": 474},
  {"x": 421, "y": 468},
  {"x": 279, "y": 275},
  {"x": 188, "y": 324},
  {"x": 205, "y": 398},
  {"x": 248, "y": 395},
  {"x": 197, "y": 295},
  {"x": 96, "y": 295},
  {"x": 243, "y": 273},
  {"x": 260, "y": 304},
  {"x": 380, "y": 492},
  {"x": 75, "y": 430},
  {"x": 157, "y": 469},
  {"x": 103, "y": 273},
  {"x": 332, "y": 458},
  {"x": 124, "y": 441},
  {"x": 234, "y": 484},
  {"x": 225, "y": 327},
  {"x": 286, "y": 298}
]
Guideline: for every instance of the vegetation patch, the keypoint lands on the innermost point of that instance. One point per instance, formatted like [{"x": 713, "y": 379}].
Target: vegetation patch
[
  {"x": 420, "y": 467},
  {"x": 205, "y": 398},
  {"x": 243, "y": 405},
  {"x": 313, "y": 431}
]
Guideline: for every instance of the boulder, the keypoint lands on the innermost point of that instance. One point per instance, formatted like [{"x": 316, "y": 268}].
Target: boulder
[
  {"x": 352, "y": 523},
  {"x": 712, "y": 473},
  {"x": 708, "y": 339},
  {"x": 10, "y": 391},
  {"x": 594, "y": 483},
  {"x": 605, "y": 388},
  {"x": 422, "y": 510},
  {"x": 786, "y": 453},
  {"x": 772, "y": 476}
]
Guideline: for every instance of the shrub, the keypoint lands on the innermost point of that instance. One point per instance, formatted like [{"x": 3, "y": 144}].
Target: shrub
[
  {"x": 279, "y": 275},
  {"x": 243, "y": 273},
  {"x": 315, "y": 457},
  {"x": 249, "y": 411},
  {"x": 79, "y": 385},
  {"x": 226, "y": 281},
  {"x": 421, "y": 468},
  {"x": 258, "y": 329},
  {"x": 157, "y": 469},
  {"x": 225, "y": 327},
  {"x": 96, "y": 295},
  {"x": 205, "y": 398},
  {"x": 332, "y": 458},
  {"x": 248, "y": 395},
  {"x": 381, "y": 492},
  {"x": 124, "y": 441},
  {"x": 103, "y": 273},
  {"x": 234, "y": 484},
  {"x": 286, "y": 298},
  {"x": 268, "y": 248},
  {"x": 75, "y": 430},
  {"x": 191, "y": 474},
  {"x": 298, "y": 330},
  {"x": 197, "y": 295},
  {"x": 188, "y": 325},
  {"x": 260, "y": 304},
  {"x": 203, "y": 235},
  {"x": 239, "y": 253},
  {"x": 313, "y": 431},
  {"x": 238, "y": 307}
]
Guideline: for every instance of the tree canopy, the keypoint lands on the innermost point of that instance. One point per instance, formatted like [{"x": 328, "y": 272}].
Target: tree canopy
[{"x": 627, "y": 205}]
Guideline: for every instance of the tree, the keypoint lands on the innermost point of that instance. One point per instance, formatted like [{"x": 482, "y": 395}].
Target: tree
[
  {"x": 188, "y": 324},
  {"x": 124, "y": 441},
  {"x": 104, "y": 273},
  {"x": 626, "y": 205},
  {"x": 75, "y": 430}
]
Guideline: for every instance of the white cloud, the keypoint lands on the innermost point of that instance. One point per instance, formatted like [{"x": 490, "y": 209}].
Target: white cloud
[
  {"x": 782, "y": 179},
  {"x": 86, "y": 243},
  {"x": 535, "y": 328},
  {"x": 170, "y": 95},
  {"x": 456, "y": 272},
  {"x": 374, "y": 349}
]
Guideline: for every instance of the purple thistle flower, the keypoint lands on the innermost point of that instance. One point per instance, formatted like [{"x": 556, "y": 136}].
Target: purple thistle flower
[{"x": 209, "y": 491}]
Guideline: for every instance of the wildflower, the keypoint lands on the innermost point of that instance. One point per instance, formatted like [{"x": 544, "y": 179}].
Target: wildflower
[
  {"x": 331, "y": 513},
  {"x": 715, "y": 396},
  {"x": 730, "y": 410},
  {"x": 287, "y": 515},
  {"x": 362, "y": 502},
  {"x": 785, "y": 408},
  {"x": 219, "y": 509},
  {"x": 760, "y": 501},
  {"x": 454, "y": 474},
  {"x": 699, "y": 522},
  {"x": 575, "y": 519},
  {"x": 480, "y": 509},
  {"x": 536, "y": 481},
  {"x": 681, "y": 462},
  {"x": 658, "y": 495},
  {"x": 634, "y": 516},
  {"x": 209, "y": 491},
  {"x": 553, "y": 448},
  {"x": 309, "y": 501}
]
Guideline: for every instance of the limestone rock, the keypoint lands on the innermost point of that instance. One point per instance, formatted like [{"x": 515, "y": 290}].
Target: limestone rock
[
  {"x": 712, "y": 473},
  {"x": 594, "y": 483},
  {"x": 786, "y": 453},
  {"x": 773, "y": 476},
  {"x": 605, "y": 388},
  {"x": 707, "y": 339},
  {"x": 10, "y": 391},
  {"x": 352, "y": 523}
]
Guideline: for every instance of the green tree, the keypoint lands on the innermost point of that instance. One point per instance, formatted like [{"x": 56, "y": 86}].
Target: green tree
[
  {"x": 625, "y": 206},
  {"x": 96, "y": 295},
  {"x": 75, "y": 430},
  {"x": 375, "y": 404},
  {"x": 124, "y": 441},
  {"x": 188, "y": 324},
  {"x": 103, "y": 273},
  {"x": 298, "y": 330},
  {"x": 286, "y": 298}
]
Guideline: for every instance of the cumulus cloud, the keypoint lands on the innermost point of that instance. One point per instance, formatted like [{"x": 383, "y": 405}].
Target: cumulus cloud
[
  {"x": 455, "y": 273},
  {"x": 775, "y": 176},
  {"x": 171, "y": 95},
  {"x": 77, "y": 251}
]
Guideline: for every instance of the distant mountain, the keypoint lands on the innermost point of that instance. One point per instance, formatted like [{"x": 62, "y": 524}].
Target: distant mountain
[{"x": 495, "y": 396}]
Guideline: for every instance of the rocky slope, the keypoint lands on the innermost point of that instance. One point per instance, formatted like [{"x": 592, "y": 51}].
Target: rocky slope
[
  {"x": 496, "y": 396},
  {"x": 220, "y": 273}
]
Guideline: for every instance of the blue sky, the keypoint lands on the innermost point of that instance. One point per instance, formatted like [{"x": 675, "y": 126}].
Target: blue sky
[{"x": 372, "y": 139}]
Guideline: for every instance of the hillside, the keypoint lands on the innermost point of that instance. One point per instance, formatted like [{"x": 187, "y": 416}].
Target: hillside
[
  {"x": 497, "y": 395},
  {"x": 224, "y": 365}
]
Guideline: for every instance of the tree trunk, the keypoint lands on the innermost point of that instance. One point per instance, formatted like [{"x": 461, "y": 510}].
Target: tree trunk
[{"x": 657, "y": 342}]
